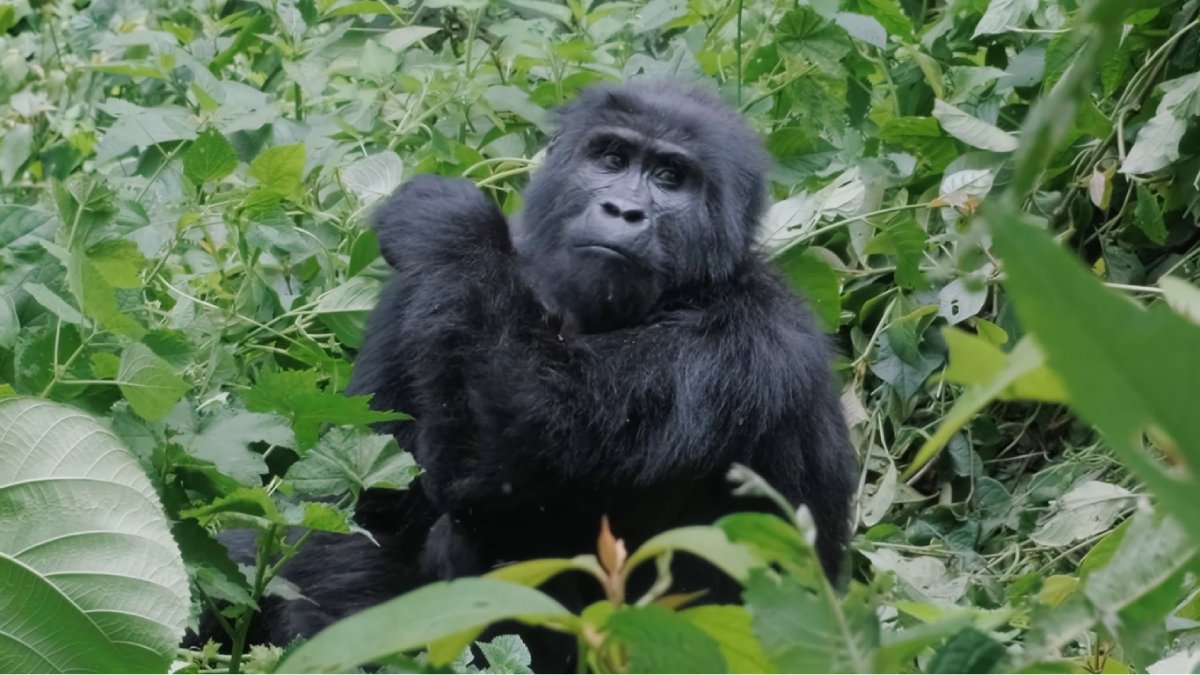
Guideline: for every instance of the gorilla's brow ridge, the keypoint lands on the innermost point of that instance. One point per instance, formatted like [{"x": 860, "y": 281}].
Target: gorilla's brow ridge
[{"x": 657, "y": 146}]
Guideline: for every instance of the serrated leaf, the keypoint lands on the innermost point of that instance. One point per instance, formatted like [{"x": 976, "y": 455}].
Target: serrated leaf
[
  {"x": 224, "y": 437},
  {"x": 660, "y": 641},
  {"x": 972, "y": 130},
  {"x": 295, "y": 395},
  {"x": 210, "y": 157},
  {"x": 148, "y": 382},
  {"x": 97, "y": 297},
  {"x": 91, "y": 578},
  {"x": 732, "y": 629},
  {"x": 375, "y": 177},
  {"x": 344, "y": 460},
  {"x": 280, "y": 169}
]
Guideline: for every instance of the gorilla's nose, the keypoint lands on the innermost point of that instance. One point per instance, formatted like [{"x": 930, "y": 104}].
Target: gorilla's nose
[{"x": 627, "y": 211}]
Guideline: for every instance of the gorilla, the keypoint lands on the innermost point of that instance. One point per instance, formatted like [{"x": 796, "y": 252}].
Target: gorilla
[{"x": 611, "y": 352}]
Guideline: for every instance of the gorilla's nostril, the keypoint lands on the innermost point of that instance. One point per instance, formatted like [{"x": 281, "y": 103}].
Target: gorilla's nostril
[
  {"x": 634, "y": 216},
  {"x": 611, "y": 209}
]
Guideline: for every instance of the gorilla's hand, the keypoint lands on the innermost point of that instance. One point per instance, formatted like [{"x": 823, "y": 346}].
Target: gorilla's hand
[{"x": 432, "y": 218}]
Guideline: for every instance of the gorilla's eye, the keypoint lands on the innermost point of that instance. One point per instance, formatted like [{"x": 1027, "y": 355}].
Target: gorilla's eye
[
  {"x": 613, "y": 160},
  {"x": 669, "y": 177}
]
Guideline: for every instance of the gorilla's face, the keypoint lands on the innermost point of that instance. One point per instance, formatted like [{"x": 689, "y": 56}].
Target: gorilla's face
[{"x": 644, "y": 190}]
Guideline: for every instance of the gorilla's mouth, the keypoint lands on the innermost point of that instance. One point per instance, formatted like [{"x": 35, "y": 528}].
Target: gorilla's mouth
[{"x": 610, "y": 252}]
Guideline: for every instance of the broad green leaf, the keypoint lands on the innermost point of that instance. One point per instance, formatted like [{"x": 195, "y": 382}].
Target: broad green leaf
[
  {"x": 15, "y": 146},
  {"x": 210, "y": 157},
  {"x": 224, "y": 437},
  {"x": 1004, "y": 15},
  {"x": 279, "y": 169},
  {"x": 374, "y": 178},
  {"x": 731, "y": 627},
  {"x": 148, "y": 382},
  {"x": 141, "y": 128},
  {"x": 97, "y": 297},
  {"x": 1148, "y": 216},
  {"x": 511, "y": 99},
  {"x": 399, "y": 39},
  {"x": 707, "y": 542},
  {"x": 661, "y": 641},
  {"x": 805, "y": 632},
  {"x": 537, "y": 572},
  {"x": 970, "y": 651},
  {"x": 863, "y": 28},
  {"x": 1089, "y": 509},
  {"x": 91, "y": 577},
  {"x": 53, "y": 302},
  {"x": 816, "y": 281},
  {"x": 415, "y": 619},
  {"x": 344, "y": 460},
  {"x": 972, "y": 130},
  {"x": 119, "y": 261},
  {"x": 1157, "y": 144},
  {"x": 345, "y": 308},
  {"x": 774, "y": 540}
]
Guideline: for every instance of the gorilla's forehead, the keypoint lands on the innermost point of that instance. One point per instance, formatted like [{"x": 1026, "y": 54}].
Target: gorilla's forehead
[{"x": 689, "y": 119}]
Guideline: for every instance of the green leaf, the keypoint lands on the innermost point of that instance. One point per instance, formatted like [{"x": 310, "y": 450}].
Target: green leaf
[
  {"x": 1148, "y": 216},
  {"x": 148, "y": 382},
  {"x": 970, "y": 651},
  {"x": 1098, "y": 343},
  {"x": 15, "y": 146},
  {"x": 537, "y": 572},
  {"x": 90, "y": 575},
  {"x": 1004, "y": 15},
  {"x": 517, "y": 101},
  {"x": 415, "y": 619},
  {"x": 53, "y": 302},
  {"x": 707, "y": 542},
  {"x": 224, "y": 437},
  {"x": 210, "y": 157},
  {"x": 119, "y": 261},
  {"x": 972, "y": 130},
  {"x": 374, "y": 178},
  {"x": 280, "y": 169},
  {"x": 345, "y": 460},
  {"x": 805, "y": 632},
  {"x": 98, "y": 298},
  {"x": 1089, "y": 509},
  {"x": 1157, "y": 144},
  {"x": 295, "y": 395},
  {"x": 816, "y": 281},
  {"x": 731, "y": 627},
  {"x": 506, "y": 654},
  {"x": 399, "y": 39},
  {"x": 863, "y": 28},
  {"x": 345, "y": 308},
  {"x": 660, "y": 641}
]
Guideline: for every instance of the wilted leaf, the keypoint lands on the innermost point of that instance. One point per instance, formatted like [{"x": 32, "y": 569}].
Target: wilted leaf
[{"x": 972, "y": 130}]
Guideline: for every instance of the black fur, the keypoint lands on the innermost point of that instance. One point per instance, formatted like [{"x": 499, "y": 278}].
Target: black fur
[{"x": 550, "y": 388}]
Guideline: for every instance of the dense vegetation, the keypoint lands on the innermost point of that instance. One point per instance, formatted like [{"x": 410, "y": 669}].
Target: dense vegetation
[{"x": 185, "y": 270}]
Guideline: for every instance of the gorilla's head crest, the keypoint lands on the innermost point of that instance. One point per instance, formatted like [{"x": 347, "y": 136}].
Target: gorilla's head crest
[{"x": 646, "y": 188}]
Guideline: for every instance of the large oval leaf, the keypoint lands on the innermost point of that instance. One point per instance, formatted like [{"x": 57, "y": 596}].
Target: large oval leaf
[
  {"x": 90, "y": 578},
  {"x": 416, "y": 619}
]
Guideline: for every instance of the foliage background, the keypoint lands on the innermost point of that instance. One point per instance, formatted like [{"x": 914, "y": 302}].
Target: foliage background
[{"x": 184, "y": 255}]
